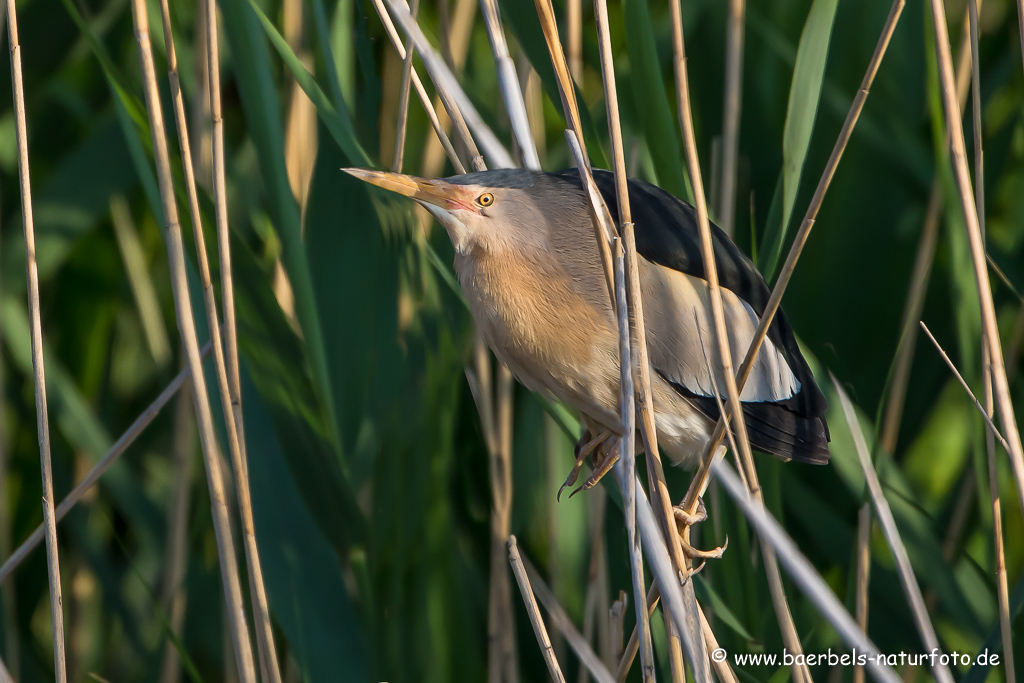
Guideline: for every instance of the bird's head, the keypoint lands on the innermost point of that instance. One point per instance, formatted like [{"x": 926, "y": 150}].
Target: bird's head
[{"x": 491, "y": 207}]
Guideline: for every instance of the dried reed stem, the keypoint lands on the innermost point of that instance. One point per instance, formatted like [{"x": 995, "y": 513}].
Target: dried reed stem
[
  {"x": 782, "y": 611},
  {"x": 456, "y": 102},
  {"x": 566, "y": 89},
  {"x": 803, "y": 574},
  {"x": 533, "y": 610},
  {"x": 1002, "y": 589},
  {"x": 960, "y": 378},
  {"x": 731, "y": 109},
  {"x": 892, "y": 535},
  {"x": 574, "y": 38},
  {"x": 225, "y": 352},
  {"x": 172, "y": 595},
  {"x": 421, "y": 92},
  {"x": 919, "y": 278},
  {"x": 627, "y": 464},
  {"x": 186, "y": 327},
  {"x": 403, "y": 99},
  {"x": 38, "y": 370},
  {"x": 644, "y": 400},
  {"x": 588, "y": 658},
  {"x": 120, "y": 446},
  {"x": 511, "y": 93},
  {"x": 963, "y": 181},
  {"x": 863, "y": 576},
  {"x": 702, "y": 477}
]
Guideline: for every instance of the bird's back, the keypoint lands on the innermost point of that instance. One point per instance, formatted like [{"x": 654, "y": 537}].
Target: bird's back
[{"x": 667, "y": 235}]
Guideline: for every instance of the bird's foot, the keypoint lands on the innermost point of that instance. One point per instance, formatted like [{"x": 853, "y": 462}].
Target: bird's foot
[
  {"x": 584, "y": 447},
  {"x": 685, "y": 520},
  {"x": 611, "y": 456}
]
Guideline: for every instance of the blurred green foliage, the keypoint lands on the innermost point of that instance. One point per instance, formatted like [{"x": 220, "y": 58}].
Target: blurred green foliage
[{"x": 368, "y": 467}]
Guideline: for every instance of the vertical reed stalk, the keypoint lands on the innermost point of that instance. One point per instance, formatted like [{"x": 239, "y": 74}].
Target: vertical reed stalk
[
  {"x": 186, "y": 327},
  {"x": 644, "y": 401},
  {"x": 225, "y": 362},
  {"x": 961, "y": 174},
  {"x": 731, "y": 109},
  {"x": 574, "y": 39},
  {"x": 403, "y": 99},
  {"x": 701, "y": 478},
  {"x": 534, "y": 611},
  {"x": 173, "y": 596},
  {"x": 785, "y": 618},
  {"x": 863, "y": 552},
  {"x": 1002, "y": 589},
  {"x": 435, "y": 122},
  {"x": 922, "y": 271},
  {"x": 38, "y": 370}
]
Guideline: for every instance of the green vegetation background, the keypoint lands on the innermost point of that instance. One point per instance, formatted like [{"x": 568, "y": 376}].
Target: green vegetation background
[{"x": 368, "y": 468}]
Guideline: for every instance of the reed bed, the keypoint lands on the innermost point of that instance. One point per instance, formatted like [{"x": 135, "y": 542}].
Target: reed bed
[{"x": 386, "y": 537}]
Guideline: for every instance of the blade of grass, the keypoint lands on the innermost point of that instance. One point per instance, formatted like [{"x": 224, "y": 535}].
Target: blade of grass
[
  {"x": 139, "y": 278},
  {"x": 804, "y": 94},
  {"x": 186, "y": 327},
  {"x": 39, "y": 376},
  {"x": 892, "y": 535},
  {"x": 534, "y": 611}
]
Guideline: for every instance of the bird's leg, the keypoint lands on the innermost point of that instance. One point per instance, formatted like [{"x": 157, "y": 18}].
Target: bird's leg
[
  {"x": 611, "y": 456},
  {"x": 584, "y": 447},
  {"x": 684, "y": 521}
]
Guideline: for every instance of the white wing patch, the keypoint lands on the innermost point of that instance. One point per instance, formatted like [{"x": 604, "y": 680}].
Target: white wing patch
[{"x": 682, "y": 344}]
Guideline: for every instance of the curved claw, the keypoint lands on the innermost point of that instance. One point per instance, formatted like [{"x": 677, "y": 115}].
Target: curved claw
[
  {"x": 686, "y": 519},
  {"x": 713, "y": 554}
]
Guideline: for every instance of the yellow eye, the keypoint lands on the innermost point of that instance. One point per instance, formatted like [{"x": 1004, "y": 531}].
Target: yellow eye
[{"x": 486, "y": 199}]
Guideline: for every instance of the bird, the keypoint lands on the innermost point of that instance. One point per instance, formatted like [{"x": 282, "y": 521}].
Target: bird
[{"x": 528, "y": 262}]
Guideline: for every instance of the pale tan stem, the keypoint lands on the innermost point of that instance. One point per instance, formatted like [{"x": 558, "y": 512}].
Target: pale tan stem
[
  {"x": 120, "y": 446},
  {"x": 403, "y": 99},
  {"x": 186, "y": 327},
  {"x": 731, "y": 109},
  {"x": 863, "y": 577},
  {"x": 534, "y": 611},
  {"x": 225, "y": 352},
  {"x": 660, "y": 496},
  {"x": 920, "y": 275},
  {"x": 38, "y": 370},
  {"x": 962, "y": 176}
]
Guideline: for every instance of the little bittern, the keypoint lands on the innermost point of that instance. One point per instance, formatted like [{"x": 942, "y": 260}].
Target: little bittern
[{"x": 528, "y": 260}]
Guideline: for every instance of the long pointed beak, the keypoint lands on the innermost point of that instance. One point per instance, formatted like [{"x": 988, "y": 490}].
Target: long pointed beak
[{"x": 436, "y": 192}]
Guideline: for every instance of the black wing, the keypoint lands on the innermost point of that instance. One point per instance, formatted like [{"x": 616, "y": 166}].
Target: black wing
[{"x": 667, "y": 234}]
